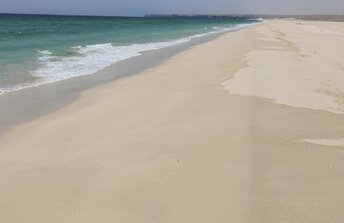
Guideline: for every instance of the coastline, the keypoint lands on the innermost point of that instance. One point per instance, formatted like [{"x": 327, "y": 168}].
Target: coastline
[
  {"x": 25, "y": 105},
  {"x": 176, "y": 144}
]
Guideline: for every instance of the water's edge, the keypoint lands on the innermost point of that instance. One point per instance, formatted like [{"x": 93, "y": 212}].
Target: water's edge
[{"x": 22, "y": 106}]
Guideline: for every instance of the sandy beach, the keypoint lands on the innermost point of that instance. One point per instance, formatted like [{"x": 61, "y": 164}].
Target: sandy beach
[{"x": 245, "y": 128}]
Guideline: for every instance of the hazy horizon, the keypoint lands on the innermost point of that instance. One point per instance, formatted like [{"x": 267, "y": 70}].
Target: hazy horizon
[
  {"x": 167, "y": 14},
  {"x": 143, "y": 7}
]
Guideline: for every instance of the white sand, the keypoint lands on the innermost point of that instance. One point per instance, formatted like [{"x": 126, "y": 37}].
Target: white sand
[
  {"x": 303, "y": 68},
  {"x": 326, "y": 142},
  {"x": 170, "y": 145}
]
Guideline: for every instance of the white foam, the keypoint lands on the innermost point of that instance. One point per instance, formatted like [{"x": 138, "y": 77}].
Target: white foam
[
  {"x": 258, "y": 19},
  {"x": 90, "y": 59}
]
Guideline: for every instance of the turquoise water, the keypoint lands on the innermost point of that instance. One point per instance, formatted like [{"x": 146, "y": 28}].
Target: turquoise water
[{"x": 36, "y": 50}]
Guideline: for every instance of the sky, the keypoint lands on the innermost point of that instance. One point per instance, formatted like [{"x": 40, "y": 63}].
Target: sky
[{"x": 142, "y": 7}]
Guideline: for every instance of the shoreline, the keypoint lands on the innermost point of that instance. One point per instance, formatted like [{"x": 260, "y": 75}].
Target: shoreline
[
  {"x": 208, "y": 135},
  {"x": 31, "y": 103}
]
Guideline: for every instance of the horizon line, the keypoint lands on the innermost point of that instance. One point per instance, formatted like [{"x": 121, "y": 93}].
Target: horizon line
[{"x": 166, "y": 14}]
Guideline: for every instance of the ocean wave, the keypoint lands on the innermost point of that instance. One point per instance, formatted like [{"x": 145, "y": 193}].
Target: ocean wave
[
  {"x": 89, "y": 59},
  {"x": 258, "y": 19}
]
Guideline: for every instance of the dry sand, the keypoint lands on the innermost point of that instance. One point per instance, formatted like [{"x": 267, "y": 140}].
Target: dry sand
[
  {"x": 299, "y": 64},
  {"x": 172, "y": 145}
]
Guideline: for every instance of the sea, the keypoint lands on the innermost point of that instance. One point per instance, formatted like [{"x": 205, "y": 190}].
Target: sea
[{"x": 42, "y": 49}]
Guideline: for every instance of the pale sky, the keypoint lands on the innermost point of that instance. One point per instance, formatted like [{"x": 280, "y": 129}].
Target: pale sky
[{"x": 141, "y": 7}]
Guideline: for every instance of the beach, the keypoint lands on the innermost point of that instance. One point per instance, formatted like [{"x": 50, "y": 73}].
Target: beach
[{"x": 248, "y": 127}]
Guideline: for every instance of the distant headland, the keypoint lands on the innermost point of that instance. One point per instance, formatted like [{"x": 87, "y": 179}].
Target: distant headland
[{"x": 248, "y": 16}]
